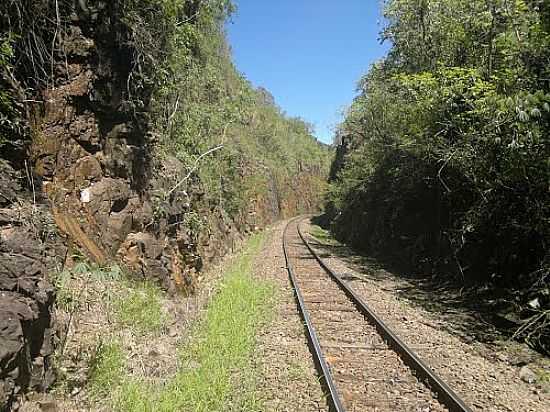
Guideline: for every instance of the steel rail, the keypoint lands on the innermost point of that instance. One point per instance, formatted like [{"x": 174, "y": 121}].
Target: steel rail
[
  {"x": 444, "y": 393},
  {"x": 334, "y": 398}
]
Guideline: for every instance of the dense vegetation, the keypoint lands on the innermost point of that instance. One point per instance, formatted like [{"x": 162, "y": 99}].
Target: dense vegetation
[
  {"x": 202, "y": 102},
  {"x": 184, "y": 82},
  {"x": 443, "y": 157}
]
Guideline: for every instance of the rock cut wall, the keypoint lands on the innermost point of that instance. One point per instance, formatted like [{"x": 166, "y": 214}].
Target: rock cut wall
[
  {"x": 85, "y": 174},
  {"x": 29, "y": 247},
  {"x": 77, "y": 176},
  {"x": 92, "y": 151}
]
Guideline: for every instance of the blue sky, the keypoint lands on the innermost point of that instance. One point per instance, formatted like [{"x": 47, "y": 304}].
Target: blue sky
[{"x": 308, "y": 53}]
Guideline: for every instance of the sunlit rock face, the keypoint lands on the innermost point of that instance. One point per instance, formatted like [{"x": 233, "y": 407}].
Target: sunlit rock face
[
  {"x": 89, "y": 177},
  {"x": 92, "y": 151}
]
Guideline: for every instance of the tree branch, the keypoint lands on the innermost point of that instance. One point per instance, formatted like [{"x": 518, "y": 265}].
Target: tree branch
[{"x": 195, "y": 166}]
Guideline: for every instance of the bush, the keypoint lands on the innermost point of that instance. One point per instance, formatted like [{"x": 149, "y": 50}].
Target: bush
[{"x": 444, "y": 154}]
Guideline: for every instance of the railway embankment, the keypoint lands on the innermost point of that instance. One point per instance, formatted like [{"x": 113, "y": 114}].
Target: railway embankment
[
  {"x": 480, "y": 363},
  {"x": 109, "y": 155}
]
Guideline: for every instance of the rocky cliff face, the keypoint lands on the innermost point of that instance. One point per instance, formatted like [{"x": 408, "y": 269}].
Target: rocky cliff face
[
  {"x": 92, "y": 151},
  {"x": 29, "y": 247},
  {"x": 88, "y": 177}
]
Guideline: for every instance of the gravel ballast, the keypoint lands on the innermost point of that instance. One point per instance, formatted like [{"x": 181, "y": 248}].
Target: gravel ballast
[
  {"x": 288, "y": 380},
  {"x": 481, "y": 374}
]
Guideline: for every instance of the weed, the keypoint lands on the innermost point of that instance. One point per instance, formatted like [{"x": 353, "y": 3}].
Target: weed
[
  {"x": 216, "y": 373},
  {"x": 107, "y": 367},
  {"x": 543, "y": 373},
  {"x": 134, "y": 395},
  {"x": 296, "y": 371},
  {"x": 66, "y": 298},
  {"x": 323, "y": 235},
  {"x": 219, "y": 351},
  {"x": 140, "y": 308}
]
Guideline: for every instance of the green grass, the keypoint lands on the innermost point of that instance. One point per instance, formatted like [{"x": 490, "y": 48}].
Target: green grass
[
  {"x": 217, "y": 374},
  {"x": 323, "y": 235},
  {"x": 107, "y": 367},
  {"x": 134, "y": 395},
  {"x": 296, "y": 371},
  {"x": 543, "y": 373},
  {"x": 135, "y": 304},
  {"x": 68, "y": 297},
  {"x": 140, "y": 308}
]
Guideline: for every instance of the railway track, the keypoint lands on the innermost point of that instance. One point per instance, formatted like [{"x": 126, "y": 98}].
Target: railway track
[{"x": 363, "y": 364}]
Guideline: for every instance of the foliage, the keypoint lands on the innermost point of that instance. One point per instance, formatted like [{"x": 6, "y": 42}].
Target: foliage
[
  {"x": 446, "y": 145},
  {"x": 12, "y": 123},
  {"x": 140, "y": 308},
  {"x": 201, "y": 101},
  {"x": 220, "y": 348}
]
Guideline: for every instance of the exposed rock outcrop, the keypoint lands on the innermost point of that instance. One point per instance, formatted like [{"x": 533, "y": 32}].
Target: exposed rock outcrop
[
  {"x": 91, "y": 171},
  {"x": 27, "y": 250},
  {"x": 92, "y": 150}
]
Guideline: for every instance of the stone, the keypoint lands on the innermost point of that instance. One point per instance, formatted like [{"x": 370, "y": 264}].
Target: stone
[
  {"x": 85, "y": 196},
  {"x": 26, "y": 303},
  {"x": 48, "y": 406},
  {"x": 527, "y": 375},
  {"x": 86, "y": 170},
  {"x": 9, "y": 186}
]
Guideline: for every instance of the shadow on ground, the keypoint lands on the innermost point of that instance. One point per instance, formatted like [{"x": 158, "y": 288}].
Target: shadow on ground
[{"x": 473, "y": 313}]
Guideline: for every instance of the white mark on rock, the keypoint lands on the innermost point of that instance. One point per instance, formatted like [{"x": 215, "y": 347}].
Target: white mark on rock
[{"x": 85, "y": 195}]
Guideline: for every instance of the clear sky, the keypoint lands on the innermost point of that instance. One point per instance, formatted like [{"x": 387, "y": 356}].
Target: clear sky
[{"x": 308, "y": 53}]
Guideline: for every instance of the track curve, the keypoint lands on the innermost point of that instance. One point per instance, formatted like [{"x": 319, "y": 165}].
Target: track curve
[{"x": 340, "y": 325}]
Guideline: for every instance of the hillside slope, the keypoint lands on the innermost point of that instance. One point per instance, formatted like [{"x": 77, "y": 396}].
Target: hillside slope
[
  {"x": 127, "y": 134},
  {"x": 442, "y": 160}
]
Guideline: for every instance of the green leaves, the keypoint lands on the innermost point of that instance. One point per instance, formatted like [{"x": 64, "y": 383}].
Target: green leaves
[
  {"x": 458, "y": 114},
  {"x": 12, "y": 123},
  {"x": 202, "y": 101},
  {"x": 6, "y": 52}
]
